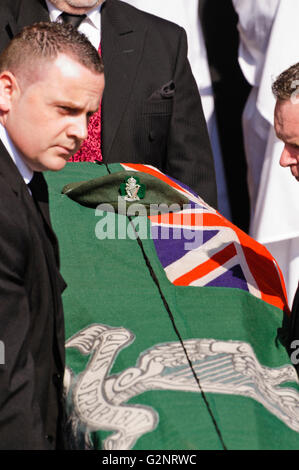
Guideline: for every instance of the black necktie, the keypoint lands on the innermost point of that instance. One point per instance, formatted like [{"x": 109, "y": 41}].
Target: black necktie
[
  {"x": 74, "y": 20},
  {"x": 34, "y": 184},
  {"x": 39, "y": 191},
  {"x": 38, "y": 188}
]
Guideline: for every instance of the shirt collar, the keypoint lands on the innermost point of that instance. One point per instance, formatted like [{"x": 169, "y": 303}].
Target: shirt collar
[
  {"x": 23, "y": 168},
  {"x": 93, "y": 16}
]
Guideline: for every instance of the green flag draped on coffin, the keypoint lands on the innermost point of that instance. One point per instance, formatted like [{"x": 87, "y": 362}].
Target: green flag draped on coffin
[{"x": 171, "y": 315}]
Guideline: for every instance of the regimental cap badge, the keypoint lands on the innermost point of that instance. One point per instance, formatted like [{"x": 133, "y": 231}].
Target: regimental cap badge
[{"x": 131, "y": 189}]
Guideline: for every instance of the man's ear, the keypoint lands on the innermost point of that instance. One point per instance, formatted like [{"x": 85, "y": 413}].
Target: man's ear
[{"x": 8, "y": 89}]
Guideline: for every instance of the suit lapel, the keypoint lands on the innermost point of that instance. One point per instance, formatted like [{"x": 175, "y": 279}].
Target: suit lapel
[
  {"x": 14, "y": 179},
  {"x": 10, "y": 27},
  {"x": 10, "y": 172},
  {"x": 122, "y": 49},
  {"x": 31, "y": 11}
]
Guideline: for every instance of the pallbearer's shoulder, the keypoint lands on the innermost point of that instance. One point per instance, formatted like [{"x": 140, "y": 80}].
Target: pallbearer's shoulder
[{"x": 139, "y": 17}]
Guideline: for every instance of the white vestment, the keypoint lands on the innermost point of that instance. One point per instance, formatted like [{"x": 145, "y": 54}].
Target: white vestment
[{"x": 269, "y": 44}]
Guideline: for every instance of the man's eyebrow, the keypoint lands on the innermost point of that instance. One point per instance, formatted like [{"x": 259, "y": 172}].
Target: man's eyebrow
[
  {"x": 73, "y": 105},
  {"x": 284, "y": 138},
  {"x": 279, "y": 136},
  {"x": 67, "y": 104}
]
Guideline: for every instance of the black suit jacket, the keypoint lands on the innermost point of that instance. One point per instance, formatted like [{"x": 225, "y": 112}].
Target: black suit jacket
[
  {"x": 31, "y": 318},
  {"x": 144, "y": 120}
]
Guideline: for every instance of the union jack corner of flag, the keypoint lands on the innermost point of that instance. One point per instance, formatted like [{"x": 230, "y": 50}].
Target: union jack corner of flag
[{"x": 204, "y": 249}]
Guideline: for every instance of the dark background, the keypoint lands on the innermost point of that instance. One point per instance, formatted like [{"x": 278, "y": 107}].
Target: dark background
[{"x": 219, "y": 24}]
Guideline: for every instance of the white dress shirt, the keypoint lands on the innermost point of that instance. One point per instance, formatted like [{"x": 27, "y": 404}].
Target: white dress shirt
[
  {"x": 23, "y": 168},
  {"x": 90, "y": 26}
]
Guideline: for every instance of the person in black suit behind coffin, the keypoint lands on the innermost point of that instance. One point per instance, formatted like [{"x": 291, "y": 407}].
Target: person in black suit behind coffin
[
  {"x": 151, "y": 110},
  {"x": 51, "y": 81}
]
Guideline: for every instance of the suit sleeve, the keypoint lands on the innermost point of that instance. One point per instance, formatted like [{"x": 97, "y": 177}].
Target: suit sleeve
[
  {"x": 189, "y": 154},
  {"x": 20, "y": 421}
]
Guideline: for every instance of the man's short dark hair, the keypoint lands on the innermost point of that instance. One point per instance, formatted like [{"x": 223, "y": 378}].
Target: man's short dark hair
[
  {"x": 44, "y": 41},
  {"x": 286, "y": 83}
]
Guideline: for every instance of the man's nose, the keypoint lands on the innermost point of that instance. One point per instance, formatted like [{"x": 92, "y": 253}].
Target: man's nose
[
  {"x": 288, "y": 158},
  {"x": 78, "y": 128}
]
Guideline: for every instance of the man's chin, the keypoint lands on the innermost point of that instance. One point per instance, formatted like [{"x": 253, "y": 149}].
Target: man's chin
[
  {"x": 58, "y": 165},
  {"x": 52, "y": 164}
]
